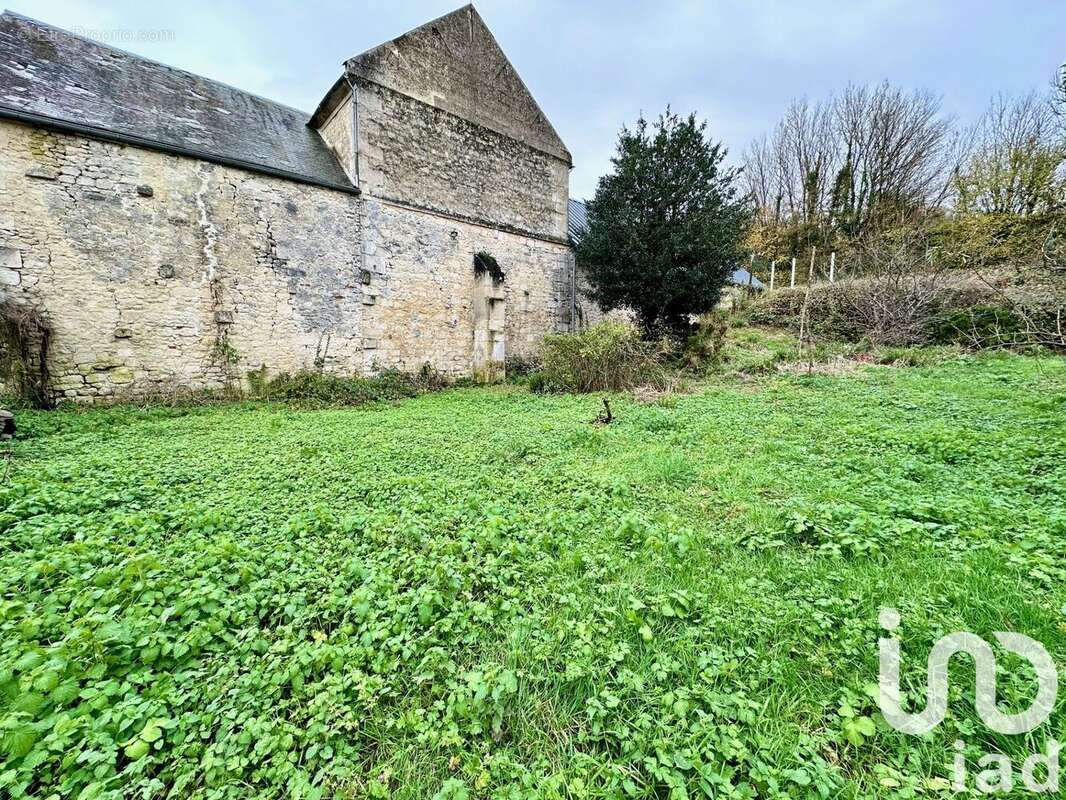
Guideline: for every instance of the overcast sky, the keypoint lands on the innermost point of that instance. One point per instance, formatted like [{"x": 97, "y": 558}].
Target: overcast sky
[{"x": 593, "y": 66}]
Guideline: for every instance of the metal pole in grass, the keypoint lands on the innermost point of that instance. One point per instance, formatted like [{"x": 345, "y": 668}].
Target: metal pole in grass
[
  {"x": 773, "y": 269},
  {"x": 792, "y": 277},
  {"x": 832, "y": 266}
]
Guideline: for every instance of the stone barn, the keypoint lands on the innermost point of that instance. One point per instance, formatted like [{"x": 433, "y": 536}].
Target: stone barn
[{"x": 175, "y": 231}]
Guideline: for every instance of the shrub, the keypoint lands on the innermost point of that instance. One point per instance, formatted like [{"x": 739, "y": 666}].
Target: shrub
[
  {"x": 783, "y": 307},
  {"x": 978, "y": 326},
  {"x": 24, "y": 339},
  {"x": 337, "y": 390},
  {"x": 665, "y": 227},
  {"x": 538, "y": 383},
  {"x": 899, "y": 290},
  {"x": 916, "y": 356},
  {"x": 923, "y": 312},
  {"x": 521, "y": 366},
  {"x": 609, "y": 356},
  {"x": 704, "y": 347},
  {"x": 428, "y": 378},
  {"x": 881, "y": 310},
  {"x": 993, "y": 240}
]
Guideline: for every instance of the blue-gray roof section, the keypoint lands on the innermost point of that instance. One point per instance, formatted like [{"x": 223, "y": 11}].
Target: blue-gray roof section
[
  {"x": 56, "y": 79},
  {"x": 577, "y": 219},
  {"x": 741, "y": 277}
]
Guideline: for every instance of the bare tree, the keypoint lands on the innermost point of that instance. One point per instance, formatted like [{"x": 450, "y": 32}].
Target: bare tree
[
  {"x": 900, "y": 151},
  {"x": 761, "y": 179},
  {"x": 807, "y": 154},
  {"x": 1058, "y": 97},
  {"x": 790, "y": 173},
  {"x": 853, "y": 160},
  {"x": 1016, "y": 166}
]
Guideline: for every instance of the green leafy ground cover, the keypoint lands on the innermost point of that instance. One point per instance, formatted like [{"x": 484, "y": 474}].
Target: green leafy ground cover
[{"x": 478, "y": 594}]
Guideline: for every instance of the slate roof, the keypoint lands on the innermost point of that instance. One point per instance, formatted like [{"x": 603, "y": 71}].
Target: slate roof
[
  {"x": 577, "y": 219},
  {"x": 741, "y": 277},
  {"x": 60, "y": 80}
]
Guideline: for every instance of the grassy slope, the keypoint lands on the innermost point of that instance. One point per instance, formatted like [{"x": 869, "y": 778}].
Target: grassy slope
[{"x": 478, "y": 590}]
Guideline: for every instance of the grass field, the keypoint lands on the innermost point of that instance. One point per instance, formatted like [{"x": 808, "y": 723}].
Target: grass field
[{"x": 479, "y": 594}]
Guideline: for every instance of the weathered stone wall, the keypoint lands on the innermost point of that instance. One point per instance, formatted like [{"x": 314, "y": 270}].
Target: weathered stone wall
[
  {"x": 422, "y": 284},
  {"x": 439, "y": 188},
  {"x": 159, "y": 271},
  {"x": 454, "y": 63},
  {"x": 587, "y": 313},
  {"x": 445, "y": 176},
  {"x": 336, "y": 131},
  {"x": 413, "y": 153}
]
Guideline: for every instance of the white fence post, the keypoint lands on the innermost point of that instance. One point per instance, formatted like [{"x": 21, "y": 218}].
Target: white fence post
[
  {"x": 792, "y": 277},
  {"x": 832, "y": 266},
  {"x": 773, "y": 269}
]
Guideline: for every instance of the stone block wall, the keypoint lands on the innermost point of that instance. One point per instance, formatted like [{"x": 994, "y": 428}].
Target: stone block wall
[
  {"x": 437, "y": 189},
  {"x": 158, "y": 271},
  {"x": 456, "y": 64},
  {"x": 337, "y": 132},
  {"x": 427, "y": 157},
  {"x": 423, "y": 292}
]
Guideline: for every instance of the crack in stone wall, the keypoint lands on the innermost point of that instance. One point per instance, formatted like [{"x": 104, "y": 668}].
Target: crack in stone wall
[{"x": 116, "y": 244}]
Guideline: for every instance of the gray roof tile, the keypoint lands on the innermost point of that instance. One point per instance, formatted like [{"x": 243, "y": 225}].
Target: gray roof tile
[
  {"x": 48, "y": 75},
  {"x": 577, "y": 219},
  {"x": 741, "y": 277}
]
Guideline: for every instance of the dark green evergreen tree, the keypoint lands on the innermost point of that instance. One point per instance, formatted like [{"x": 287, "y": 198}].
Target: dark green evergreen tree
[
  {"x": 665, "y": 226},
  {"x": 842, "y": 202}
]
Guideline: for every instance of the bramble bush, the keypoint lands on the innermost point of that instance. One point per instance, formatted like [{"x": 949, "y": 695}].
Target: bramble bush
[
  {"x": 25, "y": 335},
  {"x": 608, "y": 356},
  {"x": 863, "y": 310},
  {"x": 705, "y": 347},
  {"x": 322, "y": 388}
]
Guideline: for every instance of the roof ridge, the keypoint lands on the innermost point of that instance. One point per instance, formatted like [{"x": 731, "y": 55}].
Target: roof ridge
[{"x": 97, "y": 43}]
